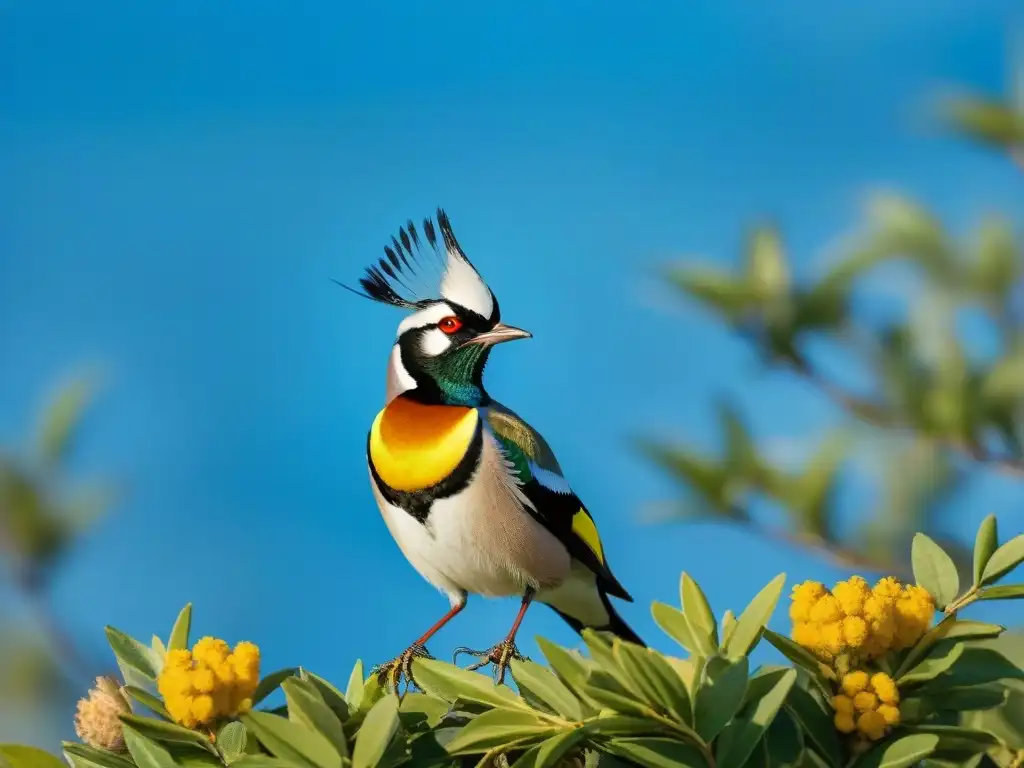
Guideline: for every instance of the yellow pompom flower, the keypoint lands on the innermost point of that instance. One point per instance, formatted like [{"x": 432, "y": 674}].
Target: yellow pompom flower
[
  {"x": 885, "y": 688},
  {"x": 888, "y": 589},
  {"x": 890, "y": 714},
  {"x": 210, "y": 682},
  {"x": 843, "y": 704},
  {"x": 865, "y": 701},
  {"x": 855, "y": 682},
  {"x": 855, "y": 632},
  {"x": 851, "y": 595},
  {"x": 832, "y": 638},
  {"x": 872, "y": 724},
  {"x": 844, "y": 722},
  {"x": 914, "y": 613},
  {"x": 826, "y": 610}
]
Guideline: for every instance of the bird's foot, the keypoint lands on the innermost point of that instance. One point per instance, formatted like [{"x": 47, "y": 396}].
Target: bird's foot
[
  {"x": 501, "y": 656},
  {"x": 391, "y": 674}
]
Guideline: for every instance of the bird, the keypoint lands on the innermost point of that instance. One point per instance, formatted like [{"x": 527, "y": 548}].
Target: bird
[{"x": 472, "y": 494}]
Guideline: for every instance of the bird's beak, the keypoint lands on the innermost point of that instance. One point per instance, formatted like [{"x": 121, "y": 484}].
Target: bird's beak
[{"x": 498, "y": 334}]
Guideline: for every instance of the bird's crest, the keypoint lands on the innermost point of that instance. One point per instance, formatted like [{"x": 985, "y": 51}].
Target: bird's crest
[{"x": 402, "y": 277}]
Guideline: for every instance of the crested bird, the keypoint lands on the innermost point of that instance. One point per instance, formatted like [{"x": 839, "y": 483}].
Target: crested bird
[{"x": 472, "y": 494}]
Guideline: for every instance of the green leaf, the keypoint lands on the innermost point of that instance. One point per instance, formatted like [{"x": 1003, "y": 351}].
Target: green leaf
[
  {"x": 496, "y": 727},
  {"x": 332, "y": 697},
  {"x": 262, "y": 761},
  {"x": 1002, "y": 592},
  {"x": 931, "y": 667},
  {"x": 674, "y": 623},
  {"x": 61, "y": 419},
  {"x": 785, "y": 741},
  {"x": 720, "y": 291},
  {"x": 82, "y": 756},
  {"x": 719, "y": 695},
  {"x": 28, "y": 757},
  {"x": 699, "y": 615},
  {"x": 985, "y": 120},
  {"x": 656, "y": 752},
  {"x": 167, "y": 733},
  {"x": 934, "y": 570},
  {"x": 449, "y": 682},
  {"x": 978, "y": 739},
  {"x": 984, "y": 546},
  {"x": 271, "y": 683},
  {"x": 658, "y": 682},
  {"x": 550, "y": 752},
  {"x": 232, "y": 740},
  {"x": 766, "y": 264},
  {"x": 375, "y": 733},
  {"x": 291, "y": 741},
  {"x": 949, "y": 628},
  {"x": 901, "y": 753},
  {"x": 799, "y": 655},
  {"x": 600, "y": 649},
  {"x": 968, "y": 699},
  {"x": 754, "y": 618},
  {"x": 354, "y": 690},
  {"x": 569, "y": 668},
  {"x": 307, "y": 707},
  {"x": 145, "y": 752},
  {"x": 132, "y": 654},
  {"x": 178, "y": 640},
  {"x": 544, "y": 685},
  {"x": 815, "y": 723},
  {"x": 1004, "y": 560},
  {"x": 743, "y": 733},
  {"x": 148, "y": 700}
]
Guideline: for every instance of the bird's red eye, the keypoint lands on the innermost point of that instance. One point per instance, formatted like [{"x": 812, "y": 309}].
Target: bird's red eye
[{"x": 450, "y": 324}]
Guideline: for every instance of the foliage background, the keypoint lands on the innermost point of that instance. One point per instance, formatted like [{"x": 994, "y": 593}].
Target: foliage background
[{"x": 179, "y": 185}]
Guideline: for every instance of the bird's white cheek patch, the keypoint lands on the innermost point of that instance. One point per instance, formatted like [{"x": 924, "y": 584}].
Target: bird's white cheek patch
[
  {"x": 399, "y": 379},
  {"x": 434, "y": 342}
]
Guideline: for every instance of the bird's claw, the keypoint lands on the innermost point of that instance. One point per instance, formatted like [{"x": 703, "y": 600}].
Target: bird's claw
[
  {"x": 391, "y": 674},
  {"x": 501, "y": 656}
]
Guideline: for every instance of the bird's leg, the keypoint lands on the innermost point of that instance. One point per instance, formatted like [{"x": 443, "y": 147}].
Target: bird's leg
[
  {"x": 392, "y": 673},
  {"x": 504, "y": 652}
]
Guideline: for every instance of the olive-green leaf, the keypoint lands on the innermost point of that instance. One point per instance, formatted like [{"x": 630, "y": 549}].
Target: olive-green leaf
[
  {"x": 985, "y": 544},
  {"x": 931, "y": 667},
  {"x": 797, "y": 654},
  {"x": 569, "y": 668},
  {"x": 742, "y": 734},
  {"x": 132, "y": 654},
  {"x": 375, "y": 733},
  {"x": 148, "y": 700},
  {"x": 291, "y": 741},
  {"x": 659, "y": 683},
  {"x": 178, "y": 640},
  {"x": 719, "y": 695},
  {"x": 982, "y": 739},
  {"x": 754, "y": 618},
  {"x": 674, "y": 623},
  {"x": 307, "y": 707},
  {"x": 498, "y": 726},
  {"x": 145, "y": 752},
  {"x": 83, "y": 756},
  {"x": 934, "y": 570},
  {"x": 449, "y": 682},
  {"x": 332, "y": 697},
  {"x": 785, "y": 741},
  {"x": 949, "y": 628},
  {"x": 1004, "y": 560},
  {"x": 262, "y": 761},
  {"x": 656, "y": 752},
  {"x": 766, "y": 263},
  {"x": 815, "y": 723},
  {"x": 62, "y": 416},
  {"x": 232, "y": 739},
  {"x": 167, "y": 733},
  {"x": 901, "y": 753},
  {"x": 272, "y": 682},
  {"x": 1002, "y": 592},
  {"x": 354, "y": 690},
  {"x": 698, "y": 613},
  {"x": 28, "y": 757},
  {"x": 544, "y": 685},
  {"x": 550, "y": 752}
]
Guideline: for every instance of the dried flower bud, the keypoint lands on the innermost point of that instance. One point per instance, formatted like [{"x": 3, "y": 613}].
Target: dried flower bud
[{"x": 96, "y": 719}]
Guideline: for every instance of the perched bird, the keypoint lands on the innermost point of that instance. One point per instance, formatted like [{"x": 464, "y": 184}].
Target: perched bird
[{"x": 472, "y": 494}]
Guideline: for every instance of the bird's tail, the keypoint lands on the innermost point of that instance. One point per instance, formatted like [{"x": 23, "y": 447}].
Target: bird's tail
[{"x": 614, "y": 624}]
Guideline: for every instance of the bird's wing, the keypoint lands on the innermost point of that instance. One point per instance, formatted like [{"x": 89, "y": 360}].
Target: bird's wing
[{"x": 555, "y": 504}]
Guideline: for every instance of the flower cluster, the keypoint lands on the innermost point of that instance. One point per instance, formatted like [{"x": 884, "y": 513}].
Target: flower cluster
[
  {"x": 97, "y": 720},
  {"x": 866, "y": 705},
  {"x": 858, "y": 620},
  {"x": 210, "y": 682}
]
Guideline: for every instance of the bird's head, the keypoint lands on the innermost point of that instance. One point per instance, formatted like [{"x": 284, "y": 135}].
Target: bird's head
[{"x": 442, "y": 347}]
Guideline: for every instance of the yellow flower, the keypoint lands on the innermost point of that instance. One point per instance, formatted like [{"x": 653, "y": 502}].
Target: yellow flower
[
  {"x": 888, "y": 589},
  {"x": 872, "y": 724},
  {"x": 855, "y": 682},
  {"x": 890, "y": 714},
  {"x": 808, "y": 592},
  {"x": 806, "y": 634},
  {"x": 844, "y": 722},
  {"x": 851, "y": 595},
  {"x": 914, "y": 612},
  {"x": 96, "y": 718},
  {"x": 885, "y": 687},
  {"x": 865, "y": 701},
  {"x": 855, "y": 631},
  {"x": 842, "y": 704},
  {"x": 832, "y": 638},
  {"x": 209, "y": 683},
  {"x": 826, "y": 610}
]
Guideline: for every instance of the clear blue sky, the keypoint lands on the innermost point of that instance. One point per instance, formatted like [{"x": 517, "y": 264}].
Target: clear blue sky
[{"x": 179, "y": 182}]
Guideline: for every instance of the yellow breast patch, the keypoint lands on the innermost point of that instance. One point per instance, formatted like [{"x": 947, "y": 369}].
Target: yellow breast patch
[
  {"x": 583, "y": 526},
  {"x": 415, "y": 446}
]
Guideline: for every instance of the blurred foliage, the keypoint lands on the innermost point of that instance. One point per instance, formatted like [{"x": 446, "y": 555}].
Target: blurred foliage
[{"x": 929, "y": 407}]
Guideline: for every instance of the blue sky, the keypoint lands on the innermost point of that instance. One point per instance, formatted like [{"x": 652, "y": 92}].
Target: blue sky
[{"x": 180, "y": 182}]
